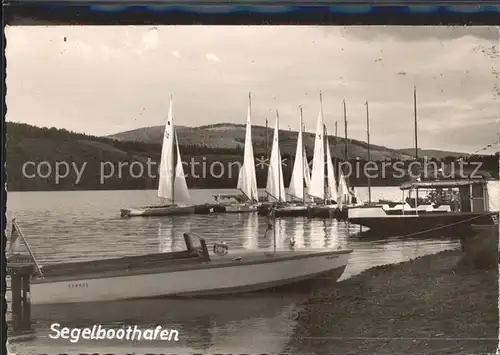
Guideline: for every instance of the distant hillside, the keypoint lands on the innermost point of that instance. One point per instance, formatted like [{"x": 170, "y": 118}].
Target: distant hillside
[
  {"x": 87, "y": 162},
  {"x": 432, "y": 153},
  {"x": 231, "y": 136}
]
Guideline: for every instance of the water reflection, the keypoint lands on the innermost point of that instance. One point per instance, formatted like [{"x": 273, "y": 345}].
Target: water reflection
[
  {"x": 203, "y": 324},
  {"x": 63, "y": 226},
  {"x": 250, "y": 230},
  {"x": 165, "y": 237}
]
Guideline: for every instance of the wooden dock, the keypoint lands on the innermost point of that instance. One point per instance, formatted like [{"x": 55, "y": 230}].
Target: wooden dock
[{"x": 19, "y": 318}]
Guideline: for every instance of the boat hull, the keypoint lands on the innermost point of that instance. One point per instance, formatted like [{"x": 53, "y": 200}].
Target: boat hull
[
  {"x": 167, "y": 210},
  {"x": 431, "y": 224},
  {"x": 209, "y": 208},
  {"x": 291, "y": 211},
  {"x": 241, "y": 208},
  {"x": 327, "y": 211},
  {"x": 242, "y": 272},
  {"x": 265, "y": 208}
]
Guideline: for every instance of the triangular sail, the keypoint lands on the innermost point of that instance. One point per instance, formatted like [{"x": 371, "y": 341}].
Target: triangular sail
[
  {"x": 247, "y": 180},
  {"x": 296, "y": 186},
  {"x": 307, "y": 170},
  {"x": 343, "y": 193},
  {"x": 166, "y": 169},
  {"x": 15, "y": 245},
  {"x": 331, "y": 192},
  {"x": 317, "y": 188},
  {"x": 180, "y": 184},
  {"x": 275, "y": 186},
  {"x": 172, "y": 187}
]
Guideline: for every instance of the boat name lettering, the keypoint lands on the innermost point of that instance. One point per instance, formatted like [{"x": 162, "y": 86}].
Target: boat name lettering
[{"x": 78, "y": 285}]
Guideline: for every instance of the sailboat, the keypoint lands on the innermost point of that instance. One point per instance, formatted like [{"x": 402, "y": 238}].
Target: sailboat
[
  {"x": 346, "y": 199},
  {"x": 300, "y": 179},
  {"x": 247, "y": 180},
  {"x": 172, "y": 184},
  {"x": 343, "y": 198},
  {"x": 323, "y": 185},
  {"x": 275, "y": 187},
  {"x": 307, "y": 168}
]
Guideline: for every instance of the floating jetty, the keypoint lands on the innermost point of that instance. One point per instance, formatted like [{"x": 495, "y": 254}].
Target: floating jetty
[{"x": 318, "y": 211}]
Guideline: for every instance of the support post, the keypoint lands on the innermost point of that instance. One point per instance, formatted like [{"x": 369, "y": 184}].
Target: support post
[{"x": 21, "y": 305}]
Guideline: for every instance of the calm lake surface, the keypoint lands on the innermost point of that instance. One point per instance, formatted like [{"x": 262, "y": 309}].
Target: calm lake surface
[{"x": 85, "y": 225}]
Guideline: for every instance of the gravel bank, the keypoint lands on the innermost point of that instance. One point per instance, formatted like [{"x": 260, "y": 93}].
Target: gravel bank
[{"x": 426, "y": 305}]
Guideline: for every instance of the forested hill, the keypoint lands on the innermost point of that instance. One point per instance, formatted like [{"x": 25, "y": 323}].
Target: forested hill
[
  {"x": 232, "y": 136},
  {"x": 56, "y": 159}
]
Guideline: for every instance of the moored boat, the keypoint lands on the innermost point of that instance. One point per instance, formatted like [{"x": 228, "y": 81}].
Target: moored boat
[
  {"x": 298, "y": 182},
  {"x": 476, "y": 203},
  {"x": 248, "y": 201},
  {"x": 172, "y": 184},
  {"x": 323, "y": 190},
  {"x": 195, "y": 271},
  {"x": 275, "y": 186}
]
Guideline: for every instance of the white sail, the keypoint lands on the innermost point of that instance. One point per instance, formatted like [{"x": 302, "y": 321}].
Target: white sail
[
  {"x": 296, "y": 186},
  {"x": 307, "y": 170},
  {"x": 275, "y": 186},
  {"x": 166, "y": 169},
  {"x": 15, "y": 241},
  {"x": 180, "y": 185},
  {"x": 317, "y": 188},
  {"x": 171, "y": 187},
  {"x": 331, "y": 192},
  {"x": 247, "y": 180},
  {"x": 343, "y": 193}
]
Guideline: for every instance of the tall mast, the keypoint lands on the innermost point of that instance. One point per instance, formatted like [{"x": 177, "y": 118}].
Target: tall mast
[
  {"x": 325, "y": 186},
  {"x": 416, "y": 136},
  {"x": 345, "y": 138},
  {"x": 174, "y": 152},
  {"x": 335, "y": 159},
  {"x": 325, "y": 135},
  {"x": 345, "y": 129},
  {"x": 415, "y": 117},
  {"x": 246, "y": 128},
  {"x": 303, "y": 162},
  {"x": 369, "y": 155},
  {"x": 267, "y": 148},
  {"x": 279, "y": 155}
]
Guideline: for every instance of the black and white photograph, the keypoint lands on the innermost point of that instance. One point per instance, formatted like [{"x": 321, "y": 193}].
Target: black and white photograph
[{"x": 205, "y": 189}]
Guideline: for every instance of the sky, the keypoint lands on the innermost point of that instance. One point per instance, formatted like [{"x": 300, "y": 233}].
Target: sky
[{"x": 102, "y": 80}]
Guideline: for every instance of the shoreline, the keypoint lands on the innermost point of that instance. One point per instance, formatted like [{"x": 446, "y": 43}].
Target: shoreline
[
  {"x": 232, "y": 188},
  {"x": 425, "y": 305}
]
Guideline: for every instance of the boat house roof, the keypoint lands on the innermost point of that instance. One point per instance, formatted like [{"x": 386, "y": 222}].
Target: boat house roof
[{"x": 440, "y": 184}]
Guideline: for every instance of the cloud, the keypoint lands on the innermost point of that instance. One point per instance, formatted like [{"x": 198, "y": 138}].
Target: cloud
[
  {"x": 101, "y": 77},
  {"x": 212, "y": 57},
  {"x": 150, "y": 41},
  {"x": 421, "y": 33}
]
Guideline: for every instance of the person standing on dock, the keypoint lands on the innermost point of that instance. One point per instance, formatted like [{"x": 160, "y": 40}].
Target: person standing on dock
[{"x": 455, "y": 202}]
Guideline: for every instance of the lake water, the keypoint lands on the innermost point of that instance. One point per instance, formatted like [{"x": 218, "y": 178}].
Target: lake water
[{"x": 85, "y": 225}]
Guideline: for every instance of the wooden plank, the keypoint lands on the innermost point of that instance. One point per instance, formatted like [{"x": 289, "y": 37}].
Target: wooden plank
[{"x": 93, "y": 266}]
